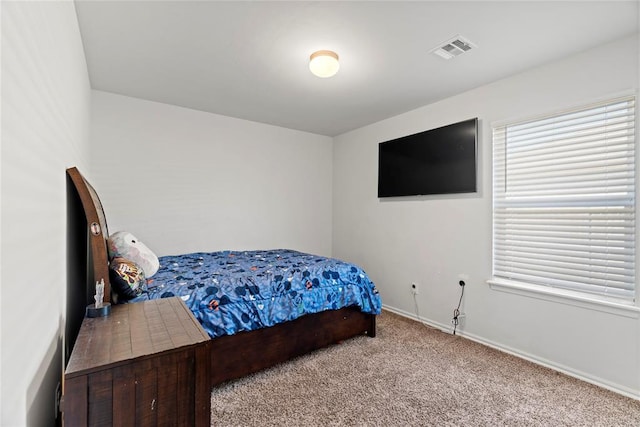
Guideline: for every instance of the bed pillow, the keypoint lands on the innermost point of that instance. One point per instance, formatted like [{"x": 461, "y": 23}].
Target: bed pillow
[
  {"x": 125, "y": 245},
  {"x": 127, "y": 278}
]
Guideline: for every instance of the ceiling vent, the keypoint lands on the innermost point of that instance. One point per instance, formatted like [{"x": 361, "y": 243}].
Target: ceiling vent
[{"x": 454, "y": 47}]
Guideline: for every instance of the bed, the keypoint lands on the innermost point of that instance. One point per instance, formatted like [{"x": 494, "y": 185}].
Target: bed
[{"x": 269, "y": 331}]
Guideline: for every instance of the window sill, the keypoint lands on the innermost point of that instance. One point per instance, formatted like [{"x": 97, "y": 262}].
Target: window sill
[{"x": 566, "y": 297}]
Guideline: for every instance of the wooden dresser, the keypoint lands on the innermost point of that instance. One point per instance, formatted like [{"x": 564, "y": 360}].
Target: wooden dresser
[{"x": 146, "y": 364}]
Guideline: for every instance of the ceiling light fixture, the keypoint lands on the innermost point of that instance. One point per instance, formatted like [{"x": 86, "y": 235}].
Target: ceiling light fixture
[{"x": 324, "y": 63}]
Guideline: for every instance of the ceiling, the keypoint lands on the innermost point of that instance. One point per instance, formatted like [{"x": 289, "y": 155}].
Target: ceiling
[{"x": 250, "y": 59}]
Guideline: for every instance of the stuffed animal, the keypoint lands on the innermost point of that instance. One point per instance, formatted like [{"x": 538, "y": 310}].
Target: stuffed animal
[
  {"x": 127, "y": 279},
  {"x": 125, "y": 245}
]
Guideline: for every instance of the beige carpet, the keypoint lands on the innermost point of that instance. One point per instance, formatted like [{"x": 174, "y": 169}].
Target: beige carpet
[{"x": 411, "y": 375}]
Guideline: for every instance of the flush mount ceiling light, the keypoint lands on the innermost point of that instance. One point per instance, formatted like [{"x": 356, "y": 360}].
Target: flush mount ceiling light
[{"x": 324, "y": 63}]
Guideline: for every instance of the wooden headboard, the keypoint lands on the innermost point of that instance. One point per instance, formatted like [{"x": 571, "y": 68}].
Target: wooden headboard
[{"x": 88, "y": 259}]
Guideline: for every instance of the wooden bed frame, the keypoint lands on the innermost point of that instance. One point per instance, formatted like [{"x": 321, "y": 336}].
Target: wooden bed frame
[{"x": 231, "y": 356}]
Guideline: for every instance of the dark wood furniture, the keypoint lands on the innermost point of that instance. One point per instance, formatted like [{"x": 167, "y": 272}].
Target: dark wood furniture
[
  {"x": 144, "y": 365},
  {"x": 230, "y": 357}
]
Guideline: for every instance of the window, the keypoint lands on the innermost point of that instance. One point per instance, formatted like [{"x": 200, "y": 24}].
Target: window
[{"x": 564, "y": 200}]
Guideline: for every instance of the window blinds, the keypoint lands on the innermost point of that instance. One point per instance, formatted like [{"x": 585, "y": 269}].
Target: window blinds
[{"x": 564, "y": 200}]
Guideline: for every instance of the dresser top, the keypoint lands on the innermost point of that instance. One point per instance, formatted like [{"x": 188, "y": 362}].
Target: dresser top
[{"x": 132, "y": 331}]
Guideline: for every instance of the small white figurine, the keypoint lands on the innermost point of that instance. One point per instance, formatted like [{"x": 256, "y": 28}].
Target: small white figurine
[{"x": 99, "y": 296}]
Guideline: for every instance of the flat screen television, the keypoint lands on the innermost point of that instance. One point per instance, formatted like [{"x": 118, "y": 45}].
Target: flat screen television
[{"x": 436, "y": 161}]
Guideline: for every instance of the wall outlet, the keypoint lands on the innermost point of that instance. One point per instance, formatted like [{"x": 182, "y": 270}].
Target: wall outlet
[
  {"x": 414, "y": 288},
  {"x": 58, "y": 401},
  {"x": 458, "y": 322}
]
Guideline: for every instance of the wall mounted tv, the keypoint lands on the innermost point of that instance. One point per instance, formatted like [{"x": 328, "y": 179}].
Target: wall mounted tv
[{"x": 436, "y": 161}]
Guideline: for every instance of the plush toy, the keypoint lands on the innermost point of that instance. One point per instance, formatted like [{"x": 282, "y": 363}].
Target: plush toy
[
  {"x": 127, "y": 279},
  {"x": 125, "y": 245}
]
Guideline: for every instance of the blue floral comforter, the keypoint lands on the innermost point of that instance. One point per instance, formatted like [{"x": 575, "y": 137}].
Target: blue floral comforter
[{"x": 229, "y": 292}]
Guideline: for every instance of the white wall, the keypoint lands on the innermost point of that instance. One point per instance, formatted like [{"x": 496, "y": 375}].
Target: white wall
[
  {"x": 431, "y": 240},
  {"x": 183, "y": 180},
  {"x": 45, "y": 129}
]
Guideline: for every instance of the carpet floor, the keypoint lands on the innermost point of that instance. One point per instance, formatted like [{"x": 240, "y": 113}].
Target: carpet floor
[{"x": 412, "y": 375}]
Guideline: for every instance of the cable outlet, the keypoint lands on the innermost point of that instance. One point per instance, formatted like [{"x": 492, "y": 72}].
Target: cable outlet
[{"x": 414, "y": 288}]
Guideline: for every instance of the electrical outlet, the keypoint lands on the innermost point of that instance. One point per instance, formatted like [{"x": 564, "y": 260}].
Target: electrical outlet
[
  {"x": 58, "y": 400},
  {"x": 414, "y": 288},
  {"x": 461, "y": 318},
  {"x": 458, "y": 321}
]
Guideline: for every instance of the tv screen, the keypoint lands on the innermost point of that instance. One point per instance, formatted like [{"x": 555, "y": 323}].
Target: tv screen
[{"x": 436, "y": 161}]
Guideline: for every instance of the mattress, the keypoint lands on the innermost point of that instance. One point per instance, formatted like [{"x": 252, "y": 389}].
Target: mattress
[{"x": 233, "y": 291}]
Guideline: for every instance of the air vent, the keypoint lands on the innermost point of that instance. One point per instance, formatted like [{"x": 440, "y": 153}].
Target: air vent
[{"x": 454, "y": 47}]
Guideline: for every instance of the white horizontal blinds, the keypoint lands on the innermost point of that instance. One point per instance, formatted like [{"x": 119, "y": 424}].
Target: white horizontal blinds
[{"x": 564, "y": 200}]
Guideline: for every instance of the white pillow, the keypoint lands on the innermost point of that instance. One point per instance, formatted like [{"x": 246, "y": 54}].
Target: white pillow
[{"x": 124, "y": 244}]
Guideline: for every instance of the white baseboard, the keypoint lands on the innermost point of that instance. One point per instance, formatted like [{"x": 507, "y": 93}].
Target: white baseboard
[
  {"x": 583, "y": 376},
  {"x": 413, "y": 316}
]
